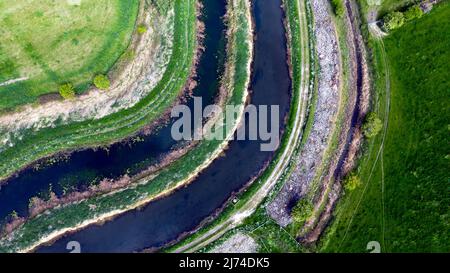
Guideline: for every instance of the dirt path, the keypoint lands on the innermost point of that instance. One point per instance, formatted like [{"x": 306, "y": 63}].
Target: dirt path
[{"x": 248, "y": 208}]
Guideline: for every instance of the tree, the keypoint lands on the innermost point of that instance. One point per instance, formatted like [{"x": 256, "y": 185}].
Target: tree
[
  {"x": 338, "y": 7},
  {"x": 372, "y": 126},
  {"x": 413, "y": 13},
  {"x": 393, "y": 20},
  {"x": 352, "y": 182},
  {"x": 67, "y": 91},
  {"x": 302, "y": 211},
  {"x": 102, "y": 82}
]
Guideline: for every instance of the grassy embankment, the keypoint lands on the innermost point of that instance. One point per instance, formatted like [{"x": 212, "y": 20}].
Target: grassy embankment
[
  {"x": 90, "y": 133},
  {"x": 62, "y": 219},
  {"x": 403, "y": 200},
  {"x": 58, "y": 42},
  {"x": 269, "y": 236}
]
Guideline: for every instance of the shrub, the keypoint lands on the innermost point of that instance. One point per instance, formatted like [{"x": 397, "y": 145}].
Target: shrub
[
  {"x": 102, "y": 82},
  {"x": 413, "y": 13},
  {"x": 142, "y": 29},
  {"x": 338, "y": 7},
  {"x": 352, "y": 182},
  {"x": 372, "y": 126},
  {"x": 67, "y": 91},
  {"x": 302, "y": 211},
  {"x": 393, "y": 20}
]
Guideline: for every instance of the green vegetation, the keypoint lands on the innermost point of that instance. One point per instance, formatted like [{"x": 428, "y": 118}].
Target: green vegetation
[
  {"x": 91, "y": 133},
  {"x": 413, "y": 13},
  {"x": 338, "y": 7},
  {"x": 352, "y": 182},
  {"x": 67, "y": 91},
  {"x": 403, "y": 200},
  {"x": 102, "y": 82},
  {"x": 142, "y": 29},
  {"x": 302, "y": 211},
  {"x": 393, "y": 20},
  {"x": 54, "y": 42},
  {"x": 396, "y": 19},
  {"x": 236, "y": 79},
  {"x": 269, "y": 235},
  {"x": 372, "y": 125}
]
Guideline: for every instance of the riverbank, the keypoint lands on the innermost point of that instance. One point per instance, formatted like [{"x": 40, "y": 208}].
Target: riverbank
[
  {"x": 177, "y": 175},
  {"x": 31, "y": 144},
  {"x": 229, "y": 218}
]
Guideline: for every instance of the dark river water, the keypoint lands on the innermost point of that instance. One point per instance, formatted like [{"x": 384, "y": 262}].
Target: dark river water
[{"x": 164, "y": 220}]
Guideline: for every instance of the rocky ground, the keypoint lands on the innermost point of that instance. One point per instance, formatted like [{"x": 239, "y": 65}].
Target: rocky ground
[{"x": 310, "y": 158}]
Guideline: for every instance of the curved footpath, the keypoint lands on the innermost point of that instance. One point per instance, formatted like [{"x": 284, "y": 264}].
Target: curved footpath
[{"x": 311, "y": 156}]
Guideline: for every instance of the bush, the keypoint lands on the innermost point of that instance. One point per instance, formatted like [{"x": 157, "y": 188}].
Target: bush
[
  {"x": 338, "y": 7},
  {"x": 142, "y": 29},
  {"x": 102, "y": 82},
  {"x": 302, "y": 211},
  {"x": 67, "y": 91},
  {"x": 413, "y": 13},
  {"x": 372, "y": 126},
  {"x": 393, "y": 20},
  {"x": 352, "y": 182}
]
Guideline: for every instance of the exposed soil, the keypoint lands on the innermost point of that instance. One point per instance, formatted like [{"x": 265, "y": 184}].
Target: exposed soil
[{"x": 152, "y": 52}]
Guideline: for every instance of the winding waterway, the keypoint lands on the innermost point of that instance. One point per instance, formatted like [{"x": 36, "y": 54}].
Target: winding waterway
[
  {"x": 83, "y": 167},
  {"x": 166, "y": 219}
]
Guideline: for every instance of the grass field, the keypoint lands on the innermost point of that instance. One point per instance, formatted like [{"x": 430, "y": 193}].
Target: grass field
[
  {"x": 49, "y": 43},
  {"x": 403, "y": 202}
]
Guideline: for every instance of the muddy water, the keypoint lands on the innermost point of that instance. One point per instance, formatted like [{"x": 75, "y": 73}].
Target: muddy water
[{"x": 164, "y": 220}]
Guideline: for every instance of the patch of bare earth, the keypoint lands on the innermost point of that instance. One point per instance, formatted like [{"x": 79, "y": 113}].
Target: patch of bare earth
[
  {"x": 350, "y": 134},
  {"x": 152, "y": 52}
]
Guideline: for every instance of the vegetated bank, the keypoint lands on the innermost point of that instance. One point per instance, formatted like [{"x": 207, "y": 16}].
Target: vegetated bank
[
  {"x": 33, "y": 144},
  {"x": 47, "y": 43},
  {"x": 402, "y": 200},
  {"x": 70, "y": 217}
]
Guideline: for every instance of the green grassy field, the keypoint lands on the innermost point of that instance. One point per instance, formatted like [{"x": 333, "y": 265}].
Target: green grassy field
[
  {"x": 54, "y": 42},
  {"x": 403, "y": 202}
]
